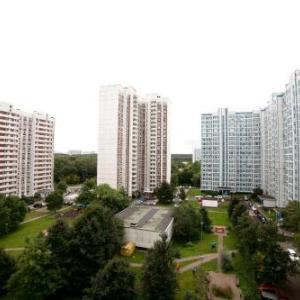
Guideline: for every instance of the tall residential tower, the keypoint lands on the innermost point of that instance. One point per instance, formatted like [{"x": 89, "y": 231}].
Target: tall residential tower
[
  {"x": 133, "y": 150},
  {"x": 26, "y": 152}
]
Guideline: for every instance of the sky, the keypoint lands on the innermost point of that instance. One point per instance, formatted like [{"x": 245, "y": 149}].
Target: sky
[{"x": 202, "y": 55}]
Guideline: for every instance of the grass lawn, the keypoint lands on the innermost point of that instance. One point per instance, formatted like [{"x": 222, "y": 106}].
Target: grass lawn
[
  {"x": 193, "y": 192},
  {"x": 137, "y": 257},
  {"x": 218, "y": 217},
  {"x": 36, "y": 213},
  {"x": 230, "y": 242},
  {"x": 16, "y": 239},
  {"x": 186, "y": 279},
  {"x": 197, "y": 247}
]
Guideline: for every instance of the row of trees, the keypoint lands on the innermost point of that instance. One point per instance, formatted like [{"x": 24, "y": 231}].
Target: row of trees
[
  {"x": 81, "y": 261},
  {"x": 115, "y": 199},
  {"x": 12, "y": 213},
  {"x": 185, "y": 173},
  {"x": 74, "y": 169},
  {"x": 258, "y": 245},
  {"x": 63, "y": 262}
]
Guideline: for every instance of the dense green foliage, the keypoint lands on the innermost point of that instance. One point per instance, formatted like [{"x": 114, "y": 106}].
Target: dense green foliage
[
  {"x": 12, "y": 213},
  {"x": 97, "y": 237},
  {"x": 159, "y": 276},
  {"x": 182, "y": 194},
  {"x": 61, "y": 187},
  {"x": 116, "y": 281},
  {"x": 116, "y": 200},
  {"x": 164, "y": 193},
  {"x": 206, "y": 221},
  {"x": 185, "y": 173},
  {"x": 258, "y": 244},
  {"x": 292, "y": 216},
  {"x": 37, "y": 274},
  {"x": 189, "y": 221},
  {"x": 7, "y": 268},
  {"x": 54, "y": 201},
  {"x": 74, "y": 169}
]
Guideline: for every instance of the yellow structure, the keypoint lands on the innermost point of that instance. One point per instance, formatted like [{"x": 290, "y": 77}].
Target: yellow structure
[{"x": 128, "y": 249}]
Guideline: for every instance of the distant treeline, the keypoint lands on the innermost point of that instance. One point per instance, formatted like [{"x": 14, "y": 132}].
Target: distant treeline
[{"x": 74, "y": 169}]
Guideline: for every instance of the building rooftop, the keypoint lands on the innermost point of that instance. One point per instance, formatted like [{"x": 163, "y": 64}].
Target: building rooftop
[{"x": 147, "y": 218}]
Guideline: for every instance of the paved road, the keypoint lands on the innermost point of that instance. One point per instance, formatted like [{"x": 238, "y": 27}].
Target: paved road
[{"x": 220, "y": 250}]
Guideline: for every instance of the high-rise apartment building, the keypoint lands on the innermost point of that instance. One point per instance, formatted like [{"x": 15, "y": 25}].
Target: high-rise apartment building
[
  {"x": 230, "y": 144},
  {"x": 242, "y": 151},
  {"x": 133, "y": 150},
  {"x": 26, "y": 152},
  {"x": 281, "y": 143}
]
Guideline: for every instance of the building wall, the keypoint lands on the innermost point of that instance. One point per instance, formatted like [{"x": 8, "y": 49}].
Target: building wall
[
  {"x": 27, "y": 142},
  {"x": 230, "y": 150},
  {"x": 133, "y": 150}
]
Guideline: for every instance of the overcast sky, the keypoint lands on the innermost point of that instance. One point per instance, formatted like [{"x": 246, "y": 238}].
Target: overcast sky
[{"x": 54, "y": 55}]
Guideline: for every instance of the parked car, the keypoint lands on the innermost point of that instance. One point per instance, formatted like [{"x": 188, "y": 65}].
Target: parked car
[
  {"x": 293, "y": 255},
  {"x": 272, "y": 292}
]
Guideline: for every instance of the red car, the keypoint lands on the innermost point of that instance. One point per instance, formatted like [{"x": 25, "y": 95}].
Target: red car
[{"x": 271, "y": 292}]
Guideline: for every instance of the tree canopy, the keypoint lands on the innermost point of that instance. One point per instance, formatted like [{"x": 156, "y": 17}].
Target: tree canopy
[
  {"x": 291, "y": 218},
  {"x": 12, "y": 212},
  {"x": 159, "y": 276},
  {"x": 54, "y": 201},
  {"x": 185, "y": 173},
  {"x": 97, "y": 237},
  {"x": 37, "y": 274},
  {"x": 115, "y": 281},
  {"x": 7, "y": 268},
  {"x": 164, "y": 193},
  {"x": 74, "y": 169}
]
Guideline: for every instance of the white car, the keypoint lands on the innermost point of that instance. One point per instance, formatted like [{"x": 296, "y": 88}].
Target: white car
[{"x": 293, "y": 255}]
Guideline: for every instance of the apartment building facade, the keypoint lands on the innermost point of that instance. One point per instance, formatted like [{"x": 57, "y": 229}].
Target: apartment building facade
[
  {"x": 230, "y": 157},
  {"x": 280, "y": 143},
  {"x": 133, "y": 150},
  {"x": 246, "y": 150},
  {"x": 26, "y": 152}
]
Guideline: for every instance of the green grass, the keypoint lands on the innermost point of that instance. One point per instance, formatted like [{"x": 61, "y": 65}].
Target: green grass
[
  {"x": 15, "y": 253},
  {"x": 137, "y": 257},
  {"x": 218, "y": 217},
  {"x": 198, "y": 247},
  {"x": 35, "y": 213},
  {"x": 230, "y": 242},
  {"x": 193, "y": 192},
  {"x": 186, "y": 279},
  {"x": 16, "y": 239}
]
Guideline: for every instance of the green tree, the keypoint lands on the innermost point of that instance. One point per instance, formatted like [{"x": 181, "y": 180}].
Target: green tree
[
  {"x": 206, "y": 221},
  {"x": 237, "y": 212},
  {"x": 159, "y": 276},
  {"x": 164, "y": 193},
  {"x": 115, "y": 281},
  {"x": 12, "y": 212},
  {"x": 187, "y": 222},
  {"x": 54, "y": 201},
  {"x": 114, "y": 199},
  {"x": 233, "y": 202},
  {"x": 57, "y": 241},
  {"x": 182, "y": 194},
  {"x": 61, "y": 187},
  {"x": 97, "y": 237},
  {"x": 37, "y": 275},
  {"x": 291, "y": 218},
  {"x": 7, "y": 268}
]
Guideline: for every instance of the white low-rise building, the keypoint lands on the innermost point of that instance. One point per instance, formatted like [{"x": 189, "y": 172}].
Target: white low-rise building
[{"x": 144, "y": 225}]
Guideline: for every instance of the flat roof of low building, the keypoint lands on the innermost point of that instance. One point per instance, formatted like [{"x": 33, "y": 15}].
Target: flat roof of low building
[{"x": 155, "y": 219}]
